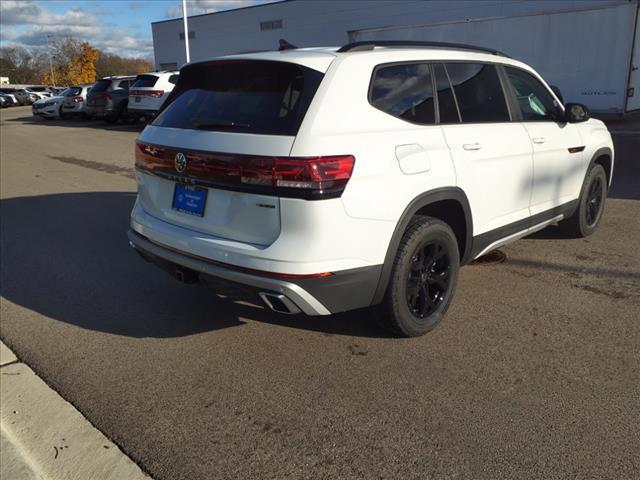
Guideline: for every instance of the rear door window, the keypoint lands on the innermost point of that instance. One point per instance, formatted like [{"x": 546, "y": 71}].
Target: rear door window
[
  {"x": 535, "y": 101},
  {"x": 145, "y": 81},
  {"x": 245, "y": 96},
  {"x": 478, "y": 92},
  {"x": 404, "y": 91},
  {"x": 446, "y": 99}
]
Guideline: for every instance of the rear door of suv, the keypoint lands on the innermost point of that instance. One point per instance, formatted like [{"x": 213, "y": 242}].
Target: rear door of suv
[{"x": 491, "y": 153}]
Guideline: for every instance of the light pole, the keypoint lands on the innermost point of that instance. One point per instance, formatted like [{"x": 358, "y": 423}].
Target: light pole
[
  {"x": 53, "y": 80},
  {"x": 186, "y": 29}
]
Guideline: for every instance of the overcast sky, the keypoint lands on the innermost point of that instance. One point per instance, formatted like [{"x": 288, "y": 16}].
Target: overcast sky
[{"x": 114, "y": 26}]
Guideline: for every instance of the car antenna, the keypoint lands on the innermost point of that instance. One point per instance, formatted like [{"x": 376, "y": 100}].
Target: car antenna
[{"x": 284, "y": 45}]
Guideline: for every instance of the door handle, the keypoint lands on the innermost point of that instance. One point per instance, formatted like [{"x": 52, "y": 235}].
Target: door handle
[
  {"x": 471, "y": 146},
  {"x": 538, "y": 140}
]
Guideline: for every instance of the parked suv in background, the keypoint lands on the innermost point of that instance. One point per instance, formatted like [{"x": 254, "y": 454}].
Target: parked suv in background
[
  {"x": 108, "y": 99},
  {"x": 325, "y": 179},
  {"x": 74, "y": 104},
  {"x": 149, "y": 91}
]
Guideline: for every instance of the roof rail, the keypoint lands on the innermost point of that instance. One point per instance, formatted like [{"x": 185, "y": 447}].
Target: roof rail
[{"x": 371, "y": 44}]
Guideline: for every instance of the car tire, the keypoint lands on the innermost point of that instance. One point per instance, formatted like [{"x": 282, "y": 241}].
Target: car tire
[
  {"x": 62, "y": 115},
  {"x": 111, "y": 118},
  {"x": 588, "y": 214},
  {"x": 423, "y": 279}
]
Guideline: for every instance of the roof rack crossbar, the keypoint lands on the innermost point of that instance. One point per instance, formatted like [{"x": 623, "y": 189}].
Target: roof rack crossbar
[{"x": 371, "y": 44}]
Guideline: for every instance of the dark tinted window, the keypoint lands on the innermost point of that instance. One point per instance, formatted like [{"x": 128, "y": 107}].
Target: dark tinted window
[
  {"x": 478, "y": 92},
  {"x": 145, "y": 81},
  {"x": 101, "y": 86},
  {"x": 241, "y": 96},
  {"x": 124, "y": 84},
  {"x": 446, "y": 99},
  {"x": 535, "y": 101},
  {"x": 71, "y": 92},
  {"x": 173, "y": 79},
  {"x": 404, "y": 91}
]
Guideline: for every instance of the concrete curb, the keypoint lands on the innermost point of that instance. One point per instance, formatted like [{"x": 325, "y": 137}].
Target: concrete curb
[{"x": 45, "y": 437}]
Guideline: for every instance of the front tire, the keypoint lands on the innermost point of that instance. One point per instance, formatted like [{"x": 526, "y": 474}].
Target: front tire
[
  {"x": 423, "y": 279},
  {"x": 588, "y": 213}
]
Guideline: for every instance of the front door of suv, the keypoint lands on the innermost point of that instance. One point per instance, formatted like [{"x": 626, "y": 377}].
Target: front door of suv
[
  {"x": 492, "y": 155},
  {"x": 558, "y": 165}
]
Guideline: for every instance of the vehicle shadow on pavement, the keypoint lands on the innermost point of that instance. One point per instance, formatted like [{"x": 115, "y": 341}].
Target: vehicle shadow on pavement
[
  {"x": 66, "y": 256},
  {"x": 77, "y": 122}
]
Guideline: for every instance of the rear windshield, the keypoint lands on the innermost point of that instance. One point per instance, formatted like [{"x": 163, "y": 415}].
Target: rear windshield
[
  {"x": 244, "y": 96},
  {"x": 71, "y": 92},
  {"x": 145, "y": 81},
  {"x": 101, "y": 86}
]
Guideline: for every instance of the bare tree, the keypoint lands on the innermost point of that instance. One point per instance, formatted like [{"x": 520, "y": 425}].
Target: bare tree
[{"x": 22, "y": 65}]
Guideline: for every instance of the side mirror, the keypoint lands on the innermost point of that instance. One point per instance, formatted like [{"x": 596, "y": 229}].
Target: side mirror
[
  {"x": 557, "y": 92},
  {"x": 575, "y": 113}
]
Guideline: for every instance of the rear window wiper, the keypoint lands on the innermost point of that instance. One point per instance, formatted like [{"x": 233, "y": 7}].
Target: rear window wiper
[{"x": 205, "y": 124}]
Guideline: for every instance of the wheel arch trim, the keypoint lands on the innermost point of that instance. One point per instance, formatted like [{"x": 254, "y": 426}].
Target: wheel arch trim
[{"x": 423, "y": 200}]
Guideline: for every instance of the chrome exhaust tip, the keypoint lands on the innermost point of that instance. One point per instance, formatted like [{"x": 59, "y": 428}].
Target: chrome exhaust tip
[{"x": 279, "y": 303}]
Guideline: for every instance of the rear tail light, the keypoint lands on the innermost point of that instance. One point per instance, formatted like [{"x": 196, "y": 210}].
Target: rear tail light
[
  {"x": 147, "y": 93},
  {"x": 297, "y": 177},
  {"x": 77, "y": 99}
]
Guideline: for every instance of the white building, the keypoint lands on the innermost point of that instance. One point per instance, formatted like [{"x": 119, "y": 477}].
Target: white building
[
  {"x": 4, "y": 80},
  {"x": 585, "y": 47}
]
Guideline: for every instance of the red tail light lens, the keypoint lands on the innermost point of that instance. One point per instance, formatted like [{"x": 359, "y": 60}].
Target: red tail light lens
[
  {"x": 297, "y": 177},
  {"x": 147, "y": 93},
  {"x": 77, "y": 99}
]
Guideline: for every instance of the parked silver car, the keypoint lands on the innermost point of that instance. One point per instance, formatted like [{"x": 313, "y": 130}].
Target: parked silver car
[
  {"x": 75, "y": 99},
  {"x": 51, "y": 107}
]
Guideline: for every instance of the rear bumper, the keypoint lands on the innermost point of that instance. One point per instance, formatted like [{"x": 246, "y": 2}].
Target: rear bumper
[
  {"x": 343, "y": 291},
  {"x": 142, "y": 111}
]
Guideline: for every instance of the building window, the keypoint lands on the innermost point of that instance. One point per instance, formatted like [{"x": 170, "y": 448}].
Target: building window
[
  {"x": 271, "y": 25},
  {"x": 192, "y": 34}
]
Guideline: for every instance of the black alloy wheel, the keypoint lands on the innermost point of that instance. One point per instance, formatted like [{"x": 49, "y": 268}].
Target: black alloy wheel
[{"x": 428, "y": 279}]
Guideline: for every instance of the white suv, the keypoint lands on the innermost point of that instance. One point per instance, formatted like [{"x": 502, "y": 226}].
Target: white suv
[
  {"x": 149, "y": 91},
  {"x": 325, "y": 179}
]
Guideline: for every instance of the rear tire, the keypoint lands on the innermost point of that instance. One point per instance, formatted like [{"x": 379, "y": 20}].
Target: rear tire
[
  {"x": 590, "y": 209},
  {"x": 423, "y": 279}
]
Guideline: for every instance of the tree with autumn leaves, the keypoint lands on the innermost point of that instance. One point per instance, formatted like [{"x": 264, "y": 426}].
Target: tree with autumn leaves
[{"x": 73, "y": 63}]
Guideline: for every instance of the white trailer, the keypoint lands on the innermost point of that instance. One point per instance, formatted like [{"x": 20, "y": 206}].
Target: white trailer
[{"x": 592, "y": 54}]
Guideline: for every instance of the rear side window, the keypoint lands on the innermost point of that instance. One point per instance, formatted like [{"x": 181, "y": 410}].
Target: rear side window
[
  {"x": 404, "y": 91},
  {"x": 478, "y": 92},
  {"x": 124, "y": 84},
  {"x": 101, "y": 86},
  {"x": 145, "y": 81},
  {"x": 535, "y": 101},
  {"x": 173, "y": 79},
  {"x": 245, "y": 96}
]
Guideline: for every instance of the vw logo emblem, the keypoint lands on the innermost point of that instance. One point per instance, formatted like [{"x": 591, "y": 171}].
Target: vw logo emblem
[{"x": 181, "y": 162}]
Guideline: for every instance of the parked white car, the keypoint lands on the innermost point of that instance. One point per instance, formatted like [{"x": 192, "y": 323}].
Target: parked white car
[
  {"x": 149, "y": 91},
  {"x": 52, "y": 107},
  {"x": 325, "y": 180}
]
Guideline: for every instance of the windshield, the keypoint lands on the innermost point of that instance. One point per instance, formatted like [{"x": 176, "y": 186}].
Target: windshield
[
  {"x": 245, "y": 96},
  {"x": 145, "y": 81}
]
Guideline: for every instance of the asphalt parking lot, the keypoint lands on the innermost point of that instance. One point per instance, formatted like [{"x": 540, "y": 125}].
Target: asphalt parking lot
[{"x": 533, "y": 374}]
